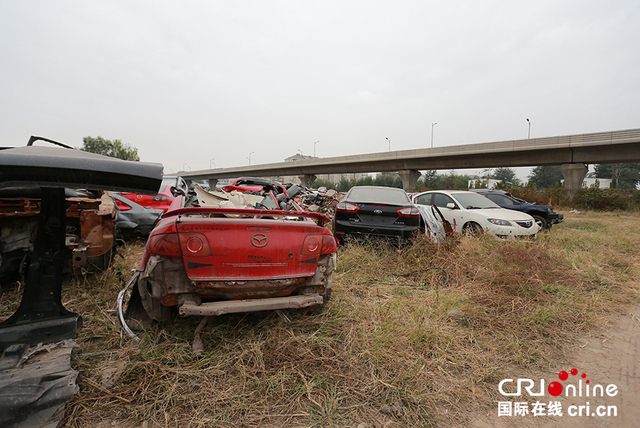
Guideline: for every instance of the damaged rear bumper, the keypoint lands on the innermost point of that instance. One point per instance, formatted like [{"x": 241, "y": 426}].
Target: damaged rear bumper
[{"x": 250, "y": 305}]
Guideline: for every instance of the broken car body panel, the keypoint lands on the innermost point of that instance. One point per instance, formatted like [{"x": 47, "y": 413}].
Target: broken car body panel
[{"x": 41, "y": 317}]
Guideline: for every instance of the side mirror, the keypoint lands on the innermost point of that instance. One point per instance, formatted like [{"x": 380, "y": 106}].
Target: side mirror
[{"x": 451, "y": 205}]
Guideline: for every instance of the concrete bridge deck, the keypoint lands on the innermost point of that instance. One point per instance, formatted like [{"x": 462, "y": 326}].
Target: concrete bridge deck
[{"x": 574, "y": 152}]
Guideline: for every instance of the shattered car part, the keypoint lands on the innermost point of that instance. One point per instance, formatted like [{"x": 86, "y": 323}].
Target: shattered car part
[
  {"x": 89, "y": 237},
  {"x": 41, "y": 316},
  {"x": 133, "y": 220}
]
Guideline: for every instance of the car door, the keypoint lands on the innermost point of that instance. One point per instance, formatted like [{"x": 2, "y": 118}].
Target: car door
[{"x": 452, "y": 215}]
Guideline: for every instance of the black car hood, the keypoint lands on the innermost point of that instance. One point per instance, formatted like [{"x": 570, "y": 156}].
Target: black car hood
[{"x": 60, "y": 167}]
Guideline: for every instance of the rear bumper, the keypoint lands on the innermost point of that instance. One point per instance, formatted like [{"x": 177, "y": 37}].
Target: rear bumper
[
  {"x": 345, "y": 229},
  {"x": 250, "y": 305}
]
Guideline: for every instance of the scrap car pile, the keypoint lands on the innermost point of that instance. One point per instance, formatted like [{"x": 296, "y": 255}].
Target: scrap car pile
[{"x": 322, "y": 201}]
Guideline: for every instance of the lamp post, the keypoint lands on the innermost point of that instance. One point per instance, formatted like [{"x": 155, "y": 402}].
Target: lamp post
[
  {"x": 184, "y": 167},
  {"x": 432, "y": 125},
  {"x": 389, "y": 142},
  {"x": 314, "y": 147},
  {"x": 211, "y": 161},
  {"x": 529, "y": 133},
  {"x": 250, "y": 157}
]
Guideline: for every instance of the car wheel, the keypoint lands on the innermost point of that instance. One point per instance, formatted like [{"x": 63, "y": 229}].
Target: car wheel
[
  {"x": 472, "y": 229},
  {"x": 135, "y": 315},
  {"x": 541, "y": 222}
]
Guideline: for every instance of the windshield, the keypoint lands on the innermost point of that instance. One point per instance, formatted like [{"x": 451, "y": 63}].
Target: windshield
[
  {"x": 473, "y": 201},
  {"x": 378, "y": 195}
]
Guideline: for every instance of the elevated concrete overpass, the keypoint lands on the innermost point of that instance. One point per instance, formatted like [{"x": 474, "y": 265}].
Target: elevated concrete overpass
[{"x": 572, "y": 152}]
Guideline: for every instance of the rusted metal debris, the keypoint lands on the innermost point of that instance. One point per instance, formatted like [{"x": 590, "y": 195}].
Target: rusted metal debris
[{"x": 321, "y": 201}]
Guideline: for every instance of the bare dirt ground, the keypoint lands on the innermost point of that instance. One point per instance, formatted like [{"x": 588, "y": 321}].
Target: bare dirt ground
[{"x": 611, "y": 357}]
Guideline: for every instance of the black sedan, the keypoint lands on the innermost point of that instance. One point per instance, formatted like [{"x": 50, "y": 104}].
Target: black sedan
[
  {"x": 544, "y": 215},
  {"x": 377, "y": 212}
]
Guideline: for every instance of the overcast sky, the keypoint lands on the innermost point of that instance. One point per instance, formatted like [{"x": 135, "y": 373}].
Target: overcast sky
[{"x": 190, "y": 81}]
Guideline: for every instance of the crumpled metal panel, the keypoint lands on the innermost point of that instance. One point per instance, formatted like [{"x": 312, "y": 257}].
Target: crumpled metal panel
[{"x": 33, "y": 392}]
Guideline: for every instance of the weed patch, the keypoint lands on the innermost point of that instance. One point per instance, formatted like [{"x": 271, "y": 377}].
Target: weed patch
[{"x": 429, "y": 344}]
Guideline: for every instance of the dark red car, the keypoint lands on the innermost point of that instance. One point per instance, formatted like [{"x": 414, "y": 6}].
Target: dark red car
[{"x": 210, "y": 261}]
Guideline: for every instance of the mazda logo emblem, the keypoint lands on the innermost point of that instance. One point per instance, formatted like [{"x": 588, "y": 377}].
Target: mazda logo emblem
[{"x": 259, "y": 240}]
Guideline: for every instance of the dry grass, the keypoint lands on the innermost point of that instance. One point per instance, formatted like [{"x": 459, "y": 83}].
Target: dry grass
[{"x": 435, "y": 352}]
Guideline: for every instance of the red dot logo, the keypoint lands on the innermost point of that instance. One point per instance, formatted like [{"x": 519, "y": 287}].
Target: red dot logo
[
  {"x": 574, "y": 372},
  {"x": 563, "y": 375},
  {"x": 555, "y": 388}
]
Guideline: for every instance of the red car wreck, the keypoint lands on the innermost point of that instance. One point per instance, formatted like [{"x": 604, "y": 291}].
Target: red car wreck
[{"x": 219, "y": 253}]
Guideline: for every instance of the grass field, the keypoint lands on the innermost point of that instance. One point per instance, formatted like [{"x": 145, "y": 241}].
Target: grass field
[{"x": 398, "y": 345}]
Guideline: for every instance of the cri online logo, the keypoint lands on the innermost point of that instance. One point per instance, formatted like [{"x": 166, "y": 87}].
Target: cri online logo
[{"x": 556, "y": 388}]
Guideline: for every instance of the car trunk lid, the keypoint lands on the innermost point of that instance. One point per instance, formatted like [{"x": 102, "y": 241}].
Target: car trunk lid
[{"x": 248, "y": 248}]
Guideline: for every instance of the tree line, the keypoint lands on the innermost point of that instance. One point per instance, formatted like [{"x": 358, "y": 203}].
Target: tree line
[{"x": 623, "y": 176}]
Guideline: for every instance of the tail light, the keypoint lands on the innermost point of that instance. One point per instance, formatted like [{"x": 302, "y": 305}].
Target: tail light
[
  {"x": 409, "y": 212},
  {"x": 314, "y": 245},
  {"x": 161, "y": 198},
  {"x": 345, "y": 206},
  {"x": 184, "y": 244}
]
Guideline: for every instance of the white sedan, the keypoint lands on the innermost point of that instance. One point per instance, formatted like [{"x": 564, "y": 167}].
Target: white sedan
[{"x": 471, "y": 213}]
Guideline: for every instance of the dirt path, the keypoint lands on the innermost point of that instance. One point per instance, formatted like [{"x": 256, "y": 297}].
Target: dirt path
[{"x": 609, "y": 358}]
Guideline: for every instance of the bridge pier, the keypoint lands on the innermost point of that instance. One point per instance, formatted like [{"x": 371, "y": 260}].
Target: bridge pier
[
  {"x": 573, "y": 174},
  {"x": 409, "y": 179},
  {"x": 307, "y": 179},
  {"x": 212, "y": 183}
]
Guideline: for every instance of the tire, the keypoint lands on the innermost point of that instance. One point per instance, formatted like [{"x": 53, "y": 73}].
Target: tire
[
  {"x": 540, "y": 221},
  {"x": 472, "y": 229}
]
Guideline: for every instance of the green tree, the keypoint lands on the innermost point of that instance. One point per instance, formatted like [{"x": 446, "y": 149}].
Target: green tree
[
  {"x": 505, "y": 174},
  {"x": 544, "y": 177},
  {"x": 344, "y": 185},
  {"x": 115, "y": 148},
  {"x": 323, "y": 183},
  {"x": 388, "y": 179},
  {"x": 624, "y": 175},
  {"x": 365, "y": 181},
  {"x": 431, "y": 180}
]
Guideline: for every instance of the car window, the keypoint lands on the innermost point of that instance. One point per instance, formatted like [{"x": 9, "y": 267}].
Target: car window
[
  {"x": 501, "y": 199},
  {"x": 471, "y": 201},
  {"x": 424, "y": 199},
  {"x": 388, "y": 195},
  {"x": 441, "y": 200}
]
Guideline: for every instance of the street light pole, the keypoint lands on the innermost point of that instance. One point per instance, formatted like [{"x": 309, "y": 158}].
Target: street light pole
[
  {"x": 432, "y": 125},
  {"x": 210, "y": 161},
  {"x": 389, "y": 142},
  {"x": 314, "y": 147},
  {"x": 250, "y": 157},
  {"x": 529, "y": 133}
]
